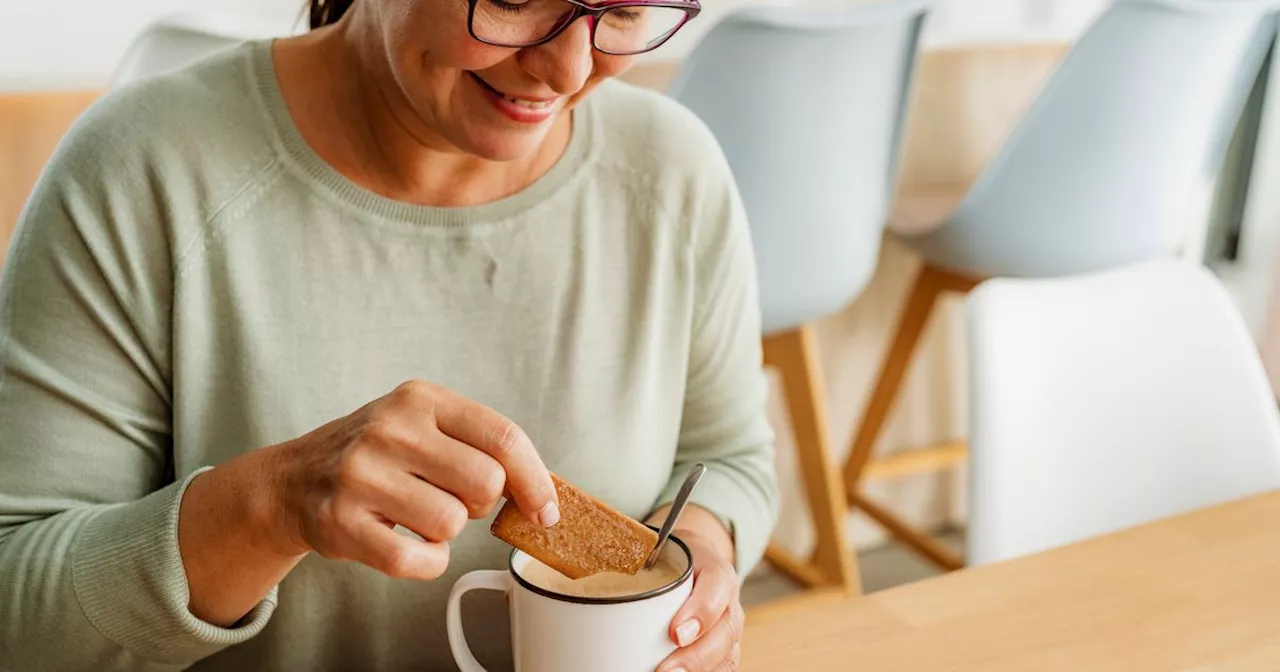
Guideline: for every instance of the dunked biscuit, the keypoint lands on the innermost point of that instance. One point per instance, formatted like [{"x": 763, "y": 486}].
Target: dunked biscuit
[{"x": 590, "y": 537}]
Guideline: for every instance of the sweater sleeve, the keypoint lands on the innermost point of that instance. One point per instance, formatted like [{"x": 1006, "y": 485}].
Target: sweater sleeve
[
  {"x": 90, "y": 572},
  {"x": 724, "y": 424}
]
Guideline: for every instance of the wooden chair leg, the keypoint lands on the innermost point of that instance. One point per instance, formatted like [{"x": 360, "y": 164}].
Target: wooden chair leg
[
  {"x": 930, "y": 283},
  {"x": 918, "y": 541},
  {"x": 795, "y": 355},
  {"x": 803, "y": 572}
]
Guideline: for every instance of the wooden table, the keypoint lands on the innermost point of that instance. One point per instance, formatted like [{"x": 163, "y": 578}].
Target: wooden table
[{"x": 1198, "y": 592}]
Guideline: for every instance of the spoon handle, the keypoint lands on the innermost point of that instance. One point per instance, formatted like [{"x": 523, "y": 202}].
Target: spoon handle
[{"x": 677, "y": 507}]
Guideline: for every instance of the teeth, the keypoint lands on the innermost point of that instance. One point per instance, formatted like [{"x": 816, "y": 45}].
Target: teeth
[{"x": 528, "y": 103}]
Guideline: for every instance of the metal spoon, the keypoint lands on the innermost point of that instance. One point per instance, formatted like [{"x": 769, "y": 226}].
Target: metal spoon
[{"x": 677, "y": 507}]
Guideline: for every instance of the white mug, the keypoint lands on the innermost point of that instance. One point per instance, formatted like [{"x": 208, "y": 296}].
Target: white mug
[{"x": 551, "y": 632}]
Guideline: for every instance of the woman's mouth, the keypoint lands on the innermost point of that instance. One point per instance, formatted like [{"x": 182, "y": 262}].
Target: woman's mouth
[{"x": 516, "y": 108}]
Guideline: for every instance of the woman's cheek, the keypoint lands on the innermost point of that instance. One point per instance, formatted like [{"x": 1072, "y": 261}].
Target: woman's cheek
[
  {"x": 431, "y": 37},
  {"x": 607, "y": 66},
  {"x": 604, "y": 67}
]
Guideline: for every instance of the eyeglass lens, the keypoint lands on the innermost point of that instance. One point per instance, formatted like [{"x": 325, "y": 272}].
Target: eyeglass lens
[{"x": 621, "y": 30}]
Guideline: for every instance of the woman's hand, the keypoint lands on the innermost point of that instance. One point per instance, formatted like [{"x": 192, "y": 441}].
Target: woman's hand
[
  {"x": 708, "y": 628},
  {"x": 421, "y": 457}
]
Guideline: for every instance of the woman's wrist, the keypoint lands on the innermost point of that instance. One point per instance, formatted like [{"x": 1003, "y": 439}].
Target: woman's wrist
[
  {"x": 704, "y": 524},
  {"x": 233, "y": 551},
  {"x": 271, "y": 500}
]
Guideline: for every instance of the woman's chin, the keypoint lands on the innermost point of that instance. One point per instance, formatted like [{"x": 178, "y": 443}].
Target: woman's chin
[{"x": 506, "y": 145}]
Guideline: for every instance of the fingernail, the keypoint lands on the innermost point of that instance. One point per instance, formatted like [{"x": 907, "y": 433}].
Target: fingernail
[
  {"x": 687, "y": 632},
  {"x": 549, "y": 515}
]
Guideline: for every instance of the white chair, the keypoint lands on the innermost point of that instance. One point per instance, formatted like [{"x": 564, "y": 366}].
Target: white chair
[
  {"x": 1111, "y": 165},
  {"x": 1107, "y": 400},
  {"x": 180, "y": 40},
  {"x": 809, "y": 106}
]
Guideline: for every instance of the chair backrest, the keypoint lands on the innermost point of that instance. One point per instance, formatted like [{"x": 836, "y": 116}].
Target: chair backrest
[
  {"x": 1118, "y": 156},
  {"x": 808, "y": 105},
  {"x": 178, "y": 41},
  {"x": 1103, "y": 401}
]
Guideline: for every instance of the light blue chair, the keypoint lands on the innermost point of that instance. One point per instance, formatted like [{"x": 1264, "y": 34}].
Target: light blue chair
[
  {"x": 177, "y": 41},
  {"x": 809, "y": 106},
  {"x": 1111, "y": 165}
]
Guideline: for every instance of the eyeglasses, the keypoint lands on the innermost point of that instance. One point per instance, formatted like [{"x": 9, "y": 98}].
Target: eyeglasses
[{"x": 618, "y": 27}]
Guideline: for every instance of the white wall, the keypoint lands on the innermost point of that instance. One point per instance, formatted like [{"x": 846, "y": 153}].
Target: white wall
[{"x": 69, "y": 44}]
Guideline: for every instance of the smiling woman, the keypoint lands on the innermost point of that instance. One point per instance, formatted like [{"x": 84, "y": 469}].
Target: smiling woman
[{"x": 268, "y": 315}]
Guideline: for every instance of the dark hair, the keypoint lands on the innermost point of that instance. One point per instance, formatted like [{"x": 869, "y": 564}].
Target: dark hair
[{"x": 327, "y": 12}]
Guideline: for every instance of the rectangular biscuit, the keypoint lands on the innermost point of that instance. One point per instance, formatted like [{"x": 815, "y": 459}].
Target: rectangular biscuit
[{"x": 590, "y": 538}]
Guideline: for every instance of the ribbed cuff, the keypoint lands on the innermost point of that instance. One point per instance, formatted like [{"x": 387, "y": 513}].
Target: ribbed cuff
[
  {"x": 129, "y": 579},
  {"x": 724, "y": 496}
]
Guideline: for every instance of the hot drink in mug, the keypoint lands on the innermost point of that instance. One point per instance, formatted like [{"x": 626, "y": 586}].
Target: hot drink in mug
[{"x": 608, "y": 621}]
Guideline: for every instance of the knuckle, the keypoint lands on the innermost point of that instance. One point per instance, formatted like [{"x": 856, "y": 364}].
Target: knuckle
[
  {"x": 410, "y": 561},
  {"x": 419, "y": 393},
  {"x": 505, "y": 436},
  {"x": 726, "y": 574},
  {"x": 325, "y": 515},
  {"x": 434, "y": 565},
  {"x": 453, "y": 519},
  {"x": 342, "y": 517},
  {"x": 398, "y": 562},
  {"x": 381, "y": 427},
  {"x": 736, "y": 626},
  {"x": 352, "y": 471},
  {"x": 490, "y": 484}
]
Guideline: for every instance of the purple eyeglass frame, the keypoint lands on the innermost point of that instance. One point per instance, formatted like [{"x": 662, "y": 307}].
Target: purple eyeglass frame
[{"x": 594, "y": 11}]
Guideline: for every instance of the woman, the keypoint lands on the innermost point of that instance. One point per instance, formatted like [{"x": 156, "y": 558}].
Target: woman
[{"x": 430, "y": 229}]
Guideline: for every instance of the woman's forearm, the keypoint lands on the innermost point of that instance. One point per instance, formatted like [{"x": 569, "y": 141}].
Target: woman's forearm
[{"x": 229, "y": 534}]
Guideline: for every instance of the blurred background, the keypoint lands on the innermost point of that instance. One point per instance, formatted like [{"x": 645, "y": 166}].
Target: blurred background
[
  {"x": 76, "y": 43},
  {"x": 982, "y": 62}
]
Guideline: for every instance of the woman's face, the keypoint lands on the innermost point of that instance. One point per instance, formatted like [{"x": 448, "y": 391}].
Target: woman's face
[{"x": 493, "y": 102}]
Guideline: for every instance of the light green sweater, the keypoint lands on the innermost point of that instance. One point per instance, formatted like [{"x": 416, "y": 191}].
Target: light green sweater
[{"x": 191, "y": 282}]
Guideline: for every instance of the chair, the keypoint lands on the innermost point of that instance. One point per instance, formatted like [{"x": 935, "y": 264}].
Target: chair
[
  {"x": 1107, "y": 400},
  {"x": 808, "y": 105},
  {"x": 1110, "y": 166},
  {"x": 177, "y": 41}
]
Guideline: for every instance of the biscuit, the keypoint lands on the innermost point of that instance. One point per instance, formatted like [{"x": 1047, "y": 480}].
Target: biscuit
[{"x": 590, "y": 538}]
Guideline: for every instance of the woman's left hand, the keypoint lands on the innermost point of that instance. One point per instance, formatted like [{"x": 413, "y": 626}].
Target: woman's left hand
[{"x": 708, "y": 628}]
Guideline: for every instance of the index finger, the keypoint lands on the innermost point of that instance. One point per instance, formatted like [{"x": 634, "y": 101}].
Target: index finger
[{"x": 485, "y": 429}]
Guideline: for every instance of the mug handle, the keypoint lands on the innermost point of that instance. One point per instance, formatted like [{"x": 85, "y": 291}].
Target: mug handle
[{"x": 484, "y": 579}]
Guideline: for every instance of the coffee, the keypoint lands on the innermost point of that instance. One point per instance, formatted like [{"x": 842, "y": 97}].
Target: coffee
[{"x": 604, "y": 584}]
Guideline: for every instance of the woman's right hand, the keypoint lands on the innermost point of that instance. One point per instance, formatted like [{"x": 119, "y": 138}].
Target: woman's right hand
[{"x": 421, "y": 457}]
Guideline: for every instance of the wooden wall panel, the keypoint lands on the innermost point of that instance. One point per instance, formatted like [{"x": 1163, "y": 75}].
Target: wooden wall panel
[{"x": 30, "y": 127}]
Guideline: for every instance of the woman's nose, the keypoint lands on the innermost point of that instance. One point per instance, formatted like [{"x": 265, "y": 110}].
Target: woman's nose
[{"x": 565, "y": 63}]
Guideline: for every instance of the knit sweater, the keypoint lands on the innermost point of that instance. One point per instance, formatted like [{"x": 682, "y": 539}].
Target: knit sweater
[{"x": 190, "y": 281}]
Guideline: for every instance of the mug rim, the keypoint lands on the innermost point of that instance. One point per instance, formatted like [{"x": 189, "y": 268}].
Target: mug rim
[{"x": 625, "y": 599}]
